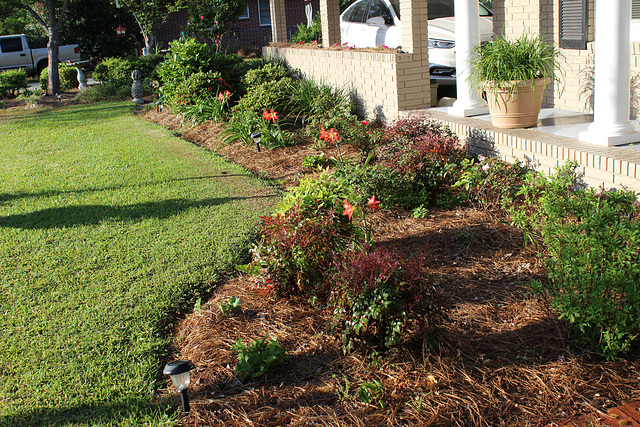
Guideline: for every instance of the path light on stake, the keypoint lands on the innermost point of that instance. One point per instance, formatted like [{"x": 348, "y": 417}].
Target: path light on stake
[
  {"x": 180, "y": 376},
  {"x": 257, "y": 137}
]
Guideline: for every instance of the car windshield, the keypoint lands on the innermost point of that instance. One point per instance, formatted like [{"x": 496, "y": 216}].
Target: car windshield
[{"x": 439, "y": 9}]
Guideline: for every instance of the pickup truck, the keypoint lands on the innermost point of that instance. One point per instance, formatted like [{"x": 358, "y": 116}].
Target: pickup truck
[{"x": 15, "y": 53}]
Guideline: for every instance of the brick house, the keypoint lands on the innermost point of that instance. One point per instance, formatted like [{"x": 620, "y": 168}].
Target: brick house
[{"x": 252, "y": 29}]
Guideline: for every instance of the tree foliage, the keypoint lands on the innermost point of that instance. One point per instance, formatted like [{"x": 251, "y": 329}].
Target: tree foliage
[
  {"x": 210, "y": 18},
  {"x": 150, "y": 14}
]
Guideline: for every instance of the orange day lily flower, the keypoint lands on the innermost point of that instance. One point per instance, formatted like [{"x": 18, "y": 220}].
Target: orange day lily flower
[
  {"x": 348, "y": 209},
  {"x": 373, "y": 203}
]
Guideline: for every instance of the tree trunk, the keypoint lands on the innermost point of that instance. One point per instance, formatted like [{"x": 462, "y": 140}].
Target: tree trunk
[
  {"x": 149, "y": 44},
  {"x": 54, "y": 49}
]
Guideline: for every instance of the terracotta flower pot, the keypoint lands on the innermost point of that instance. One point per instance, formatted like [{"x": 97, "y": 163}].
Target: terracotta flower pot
[{"x": 515, "y": 107}]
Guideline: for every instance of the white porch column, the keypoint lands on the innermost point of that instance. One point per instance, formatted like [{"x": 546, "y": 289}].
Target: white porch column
[
  {"x": 278, "y": 21},
  {"x": 611, "y": 125},
  {"x": 467, "y": 26}
]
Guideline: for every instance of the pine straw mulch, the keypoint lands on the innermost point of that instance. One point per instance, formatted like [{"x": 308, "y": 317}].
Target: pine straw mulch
[{"x": 502, "y": 359}]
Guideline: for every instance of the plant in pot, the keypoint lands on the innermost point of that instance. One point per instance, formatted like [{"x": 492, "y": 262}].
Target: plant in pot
[{"x": 514, "y": 74}]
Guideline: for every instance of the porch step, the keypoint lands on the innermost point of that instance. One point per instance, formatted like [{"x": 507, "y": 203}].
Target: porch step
[{"x": 626, "y": 415}]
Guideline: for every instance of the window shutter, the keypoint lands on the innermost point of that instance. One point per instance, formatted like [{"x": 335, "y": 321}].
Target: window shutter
[
  {"x": 573, "y": 24},
  {"x": 635, "y": 9}
]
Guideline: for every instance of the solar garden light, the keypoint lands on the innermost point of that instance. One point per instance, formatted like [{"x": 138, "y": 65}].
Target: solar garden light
[
  {"x": 257, "y": 137},
  {"x": 180, "y": 376}
]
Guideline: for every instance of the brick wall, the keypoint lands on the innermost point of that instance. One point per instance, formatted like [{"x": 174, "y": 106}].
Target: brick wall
[
  {"x": 382, "y": 83},
  {"x": 606, "y": 167}
]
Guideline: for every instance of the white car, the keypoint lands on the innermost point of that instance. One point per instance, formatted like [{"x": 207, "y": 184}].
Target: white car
[{"x": 373, "y": 23}]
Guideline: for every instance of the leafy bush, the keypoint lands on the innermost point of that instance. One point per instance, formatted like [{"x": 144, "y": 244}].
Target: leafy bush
[
  {"x": 268, "y": 73},
  {"x": 314, "y": 193},
  {"x": 118, "y": 70},
  {"x": 296, "y": 252},
  {"x": 197, "y": 87},
  {"x": 377, "y": 294},
  {"x": 321, "y": 106},
  {"x": 255, "y": 359},
  {"x": 308, "y": 34},
  {"x": 492, "y": 183},
  {"x": 205, "y": 107},
  {"x": 187, "y": 56},
  {"x": 11, "y": 82},
  {"x": 245, "y": 122},
  {"x": 68, "y": 77},
  {"x": 592, "y": 240},
  {"x": 422, "y": 156},
  {"x": 272, "y": 95},
  {"x": 105, "y": 91}
]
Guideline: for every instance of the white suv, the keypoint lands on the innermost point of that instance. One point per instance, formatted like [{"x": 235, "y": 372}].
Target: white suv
[{"x": 372, "y": 23}]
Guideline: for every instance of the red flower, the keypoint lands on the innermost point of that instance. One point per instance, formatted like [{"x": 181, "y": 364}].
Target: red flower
[
  {"x": 330, "y": 135},
  {"x": 348, "y": 209},
  {"x": 267, "y": 115},
  {"x": 223, "y": 96},
  {"x": 274, "y": 116},
  {"x": 209, "y": 88},
  {"x": 373, "y": 203}
]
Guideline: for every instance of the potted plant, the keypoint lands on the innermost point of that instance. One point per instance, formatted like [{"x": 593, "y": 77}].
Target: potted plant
[{"x": 514, "y": 74}]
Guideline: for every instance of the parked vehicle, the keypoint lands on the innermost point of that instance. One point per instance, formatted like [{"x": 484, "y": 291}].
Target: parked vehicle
[
  {"x": 373, "y": 23},
  {"x": 16, "y": 53}
]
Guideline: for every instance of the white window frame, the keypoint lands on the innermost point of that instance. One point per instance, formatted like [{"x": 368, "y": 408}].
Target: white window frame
[
  {"x": 260, "y": 15},
  {"x": 245, "y": 15}
]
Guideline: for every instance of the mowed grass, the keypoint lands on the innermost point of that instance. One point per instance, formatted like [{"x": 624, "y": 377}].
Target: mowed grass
[{"x": 109, "y": 226}]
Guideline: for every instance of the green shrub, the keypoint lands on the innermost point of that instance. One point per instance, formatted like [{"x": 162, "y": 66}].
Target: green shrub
[
  {"x": 187, "y": 56},
  {"x": 255, "y": 359},
  {"x": 12, "y": 82},
  {"x": 268, "y": 73},
  {"x": 233, "y": 305},
  {"x": 196, "y": 87},
  {"x": 591, "y": 240},
  {"x": 492, "y": 183},
  {"x": 321, "y": 192},
  {"x": 271, "y": 95},
  {"x": 68, "y": 77},
  {"x": 296, "y": 251},
  {"x": 106, "y": 91},
  {"x": 376, "y": 295},
  {"x": 119, "y": 69},
  {"x": 322, "y": 106},
  {"x": 309, "y": 34}
]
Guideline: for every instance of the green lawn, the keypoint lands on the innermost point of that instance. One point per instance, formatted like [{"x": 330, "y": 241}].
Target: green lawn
[{"x": 109, "y": 225}]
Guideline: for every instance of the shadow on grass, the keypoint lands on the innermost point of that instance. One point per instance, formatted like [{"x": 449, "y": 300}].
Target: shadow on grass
[
  {"x": 135, "y": 410},
  {"x": 5, "y": 197},
  {"x": 79, "y": 215}
]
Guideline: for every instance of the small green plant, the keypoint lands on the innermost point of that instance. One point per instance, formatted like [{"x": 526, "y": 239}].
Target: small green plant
[
  {"x": 502, "y": 61},
  {"x": 371, "y": 391},
  {"x": 314, "y": 161},
  {"x": 308, "y": 34},
  {"x": 231, "y": 306},
  {"x": 255, "y": 359},
  {"x": 420, "y": 212}
]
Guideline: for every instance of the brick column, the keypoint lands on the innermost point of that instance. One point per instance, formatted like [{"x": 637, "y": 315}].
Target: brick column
[
  {"x": 330, "y": 20},
  {"x": 413, "y": 74},
  {"x": 278, "y": 21}
]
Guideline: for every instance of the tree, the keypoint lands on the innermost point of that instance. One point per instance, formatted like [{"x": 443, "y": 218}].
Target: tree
[
  {"x": 149, "y": 15},
  {"x": 210, "y": 18},
  {"x": 49, "y": 15}
]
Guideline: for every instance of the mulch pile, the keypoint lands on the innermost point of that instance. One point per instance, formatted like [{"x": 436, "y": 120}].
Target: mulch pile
[{"x": 501, "y": 359}]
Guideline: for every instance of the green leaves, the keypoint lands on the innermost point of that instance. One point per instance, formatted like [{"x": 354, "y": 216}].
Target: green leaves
[{"x": 256, "y": 358}]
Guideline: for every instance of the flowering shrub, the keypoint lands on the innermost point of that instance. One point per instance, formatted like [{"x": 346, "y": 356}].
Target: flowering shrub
[
  {"x": 296, "y": 252},
  {"x": 197, "y": 87},
  {"x": 492, "y": 183},
  {"x": 310, "y": 34},
  {"x": 313, "y": 194},
  {"x": 377, "y": 295}
]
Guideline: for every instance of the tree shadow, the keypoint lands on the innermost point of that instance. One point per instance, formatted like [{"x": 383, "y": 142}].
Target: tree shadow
[
  {"x": 5, "y": 197},
  {"x": 107, "y": 413},
  {"x": 80, "y": 215}
]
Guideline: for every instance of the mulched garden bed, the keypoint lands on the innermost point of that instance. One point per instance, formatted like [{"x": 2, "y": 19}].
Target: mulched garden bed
[{"x": 501, "y": 359}]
